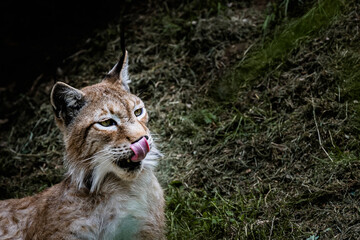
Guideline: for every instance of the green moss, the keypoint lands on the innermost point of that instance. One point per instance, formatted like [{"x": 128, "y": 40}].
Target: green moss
[
  {"x": 199, "y": 215},
  {"x": 265, "y": 60}
]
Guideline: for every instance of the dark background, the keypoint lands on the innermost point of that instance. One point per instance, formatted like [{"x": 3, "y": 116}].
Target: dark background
[{"x": 37, "y": 36}]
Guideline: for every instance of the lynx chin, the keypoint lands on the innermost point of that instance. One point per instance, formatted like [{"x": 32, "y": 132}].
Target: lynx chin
[{"x": 110, "y": 190}]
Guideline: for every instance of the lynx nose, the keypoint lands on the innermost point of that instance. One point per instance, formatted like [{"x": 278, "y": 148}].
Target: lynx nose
[
  {"x": 140, "y": 148},
  {"x": 145, "y": 136}
]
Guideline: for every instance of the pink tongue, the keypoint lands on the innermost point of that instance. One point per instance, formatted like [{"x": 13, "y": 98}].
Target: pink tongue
[{"x": 140, "y": 149}]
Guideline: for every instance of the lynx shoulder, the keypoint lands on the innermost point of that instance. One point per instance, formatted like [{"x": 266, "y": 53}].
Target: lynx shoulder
[{"x": 110, "y": 190}]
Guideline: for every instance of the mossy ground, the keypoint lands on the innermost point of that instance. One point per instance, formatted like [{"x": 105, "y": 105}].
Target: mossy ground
[{"x": 260, "y": 132}]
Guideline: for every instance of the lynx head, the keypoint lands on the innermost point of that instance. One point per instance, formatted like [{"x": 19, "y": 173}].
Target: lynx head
[{"x": 104, "y": 128}]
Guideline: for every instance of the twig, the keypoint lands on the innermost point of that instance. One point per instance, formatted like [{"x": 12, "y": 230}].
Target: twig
[
  {"x": 272, "y": 227},
  {"x": 318, "y": 132},
  {"x": 332, "y": 141},
  {"x": 267, "y": 194},
  {"x": 245, "y": 52}
]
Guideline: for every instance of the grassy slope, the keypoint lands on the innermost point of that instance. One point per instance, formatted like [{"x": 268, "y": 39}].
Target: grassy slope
[
  {"x": 275, "y": 157},
  {"x": 283, "y": 145}
]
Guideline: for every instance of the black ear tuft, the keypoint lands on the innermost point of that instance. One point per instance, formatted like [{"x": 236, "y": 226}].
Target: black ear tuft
[
  {"x": 66, "y": 102},
  {"x": 119, "y": 73}
]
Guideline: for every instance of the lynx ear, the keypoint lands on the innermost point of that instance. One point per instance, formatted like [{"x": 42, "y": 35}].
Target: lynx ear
[
  {"x": 120, "y": 73},
  {"x": 66, "y": 101}
]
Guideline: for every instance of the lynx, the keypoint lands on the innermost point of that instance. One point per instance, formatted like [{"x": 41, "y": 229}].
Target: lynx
[{"x": 110, "y": 190}]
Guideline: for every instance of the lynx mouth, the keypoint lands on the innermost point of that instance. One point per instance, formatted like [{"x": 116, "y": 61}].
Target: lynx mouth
[
  {"x": 128, "y": 164},
  {"x": 138, "y": 152},
  {"x": 140, "y": 148}
]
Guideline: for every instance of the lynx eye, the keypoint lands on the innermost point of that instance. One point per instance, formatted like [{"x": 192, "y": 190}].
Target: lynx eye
[
  {"x": 138, "y": 112},
  {"x": 107, "y": 123}
]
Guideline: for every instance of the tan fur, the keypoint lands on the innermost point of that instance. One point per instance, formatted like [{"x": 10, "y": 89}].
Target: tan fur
[{"x": 97, "y": 199}]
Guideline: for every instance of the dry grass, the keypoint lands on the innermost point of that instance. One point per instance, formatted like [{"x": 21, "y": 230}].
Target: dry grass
[{"x": 277, "y": 158}]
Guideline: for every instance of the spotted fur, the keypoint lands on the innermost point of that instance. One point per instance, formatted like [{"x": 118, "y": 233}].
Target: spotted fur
[{"x": 104, "y": 195}]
